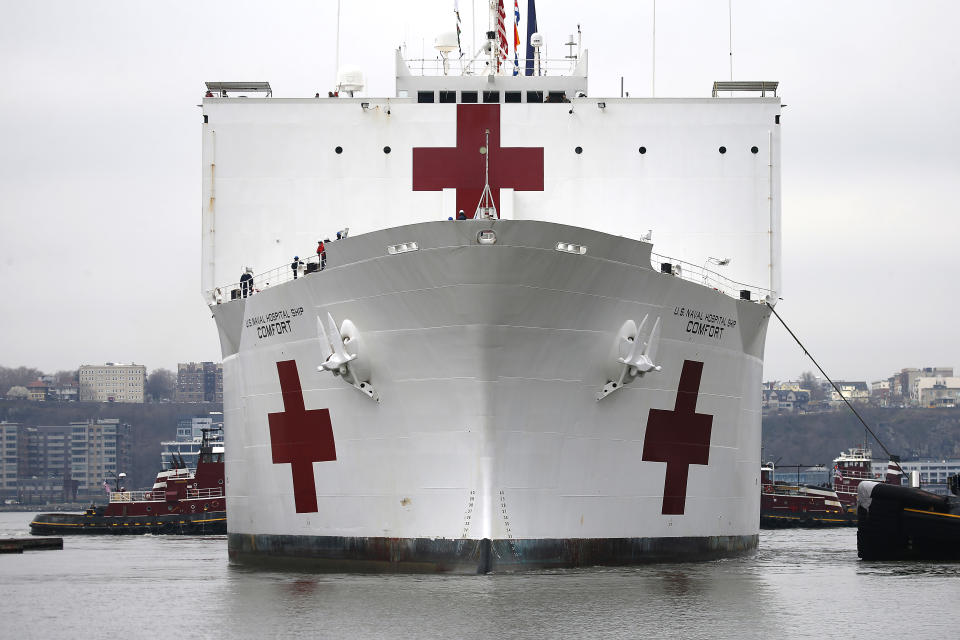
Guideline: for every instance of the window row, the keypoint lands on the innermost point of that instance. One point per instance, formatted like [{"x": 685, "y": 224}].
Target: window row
[{"x": 490, "y": 97}]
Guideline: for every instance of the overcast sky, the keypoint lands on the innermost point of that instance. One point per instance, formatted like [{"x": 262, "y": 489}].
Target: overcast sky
[{"x": 100, "y": 171}]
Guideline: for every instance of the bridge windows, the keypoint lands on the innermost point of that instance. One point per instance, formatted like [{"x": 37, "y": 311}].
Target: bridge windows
[
  {"x": 511, "y": 96},
  {"x": 468, "y": 97},
  {"x": 424, "y": 96},
  {"x": 491, "y": 97},
  {"x": 534, "y": 96},
  {"x": 448, "y": 96}
]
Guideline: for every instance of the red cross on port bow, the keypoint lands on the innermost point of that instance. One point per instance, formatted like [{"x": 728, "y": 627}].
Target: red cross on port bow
[
  {"x": 299, "y": 437},
  {"x": 462, "y": 167},
  {"x": 680, "y": 438}
]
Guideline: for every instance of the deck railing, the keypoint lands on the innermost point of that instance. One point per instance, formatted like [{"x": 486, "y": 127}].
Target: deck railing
[
  {"x": 457, "y": 66},
  {"x": 701, "y": 275},
  {"x": 136, "y": 496},
  {"x": 680, "y": 268}
]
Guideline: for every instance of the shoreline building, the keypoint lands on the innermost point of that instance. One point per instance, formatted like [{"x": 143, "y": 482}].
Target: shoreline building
[
  {"x": 9, "y": 460},
  {"x": 189, "y": 438},
  {"x": 112, "y": 382},
  {"x": 199, "y": 382}
]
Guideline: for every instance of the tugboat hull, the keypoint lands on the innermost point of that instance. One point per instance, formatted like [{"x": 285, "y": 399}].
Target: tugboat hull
[
  {"x": 192, "y": 524},
  {"x": 902, "y": 523}
]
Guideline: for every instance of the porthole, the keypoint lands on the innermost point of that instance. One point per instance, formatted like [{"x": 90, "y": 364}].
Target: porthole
[
  {"x": 754, "y": 150},
  {"x": 339, "y": 150},
  {"x": 386, "y": 149},
  {"x": 148, "y": 508},
  {"x": 220, "y": 481},
  {"x": 723, "y": 149},
  {"x": 193, "y": 507},
  {"x": 579, "y": 150},
  {"x": 643, "y": 150}
]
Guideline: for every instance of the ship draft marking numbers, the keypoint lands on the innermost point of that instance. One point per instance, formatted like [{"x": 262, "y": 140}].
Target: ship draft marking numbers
[
  {"x": 299, "y": 437},
  {"x": 468, "y": 514},
  {"x": 680, "y": 438}
]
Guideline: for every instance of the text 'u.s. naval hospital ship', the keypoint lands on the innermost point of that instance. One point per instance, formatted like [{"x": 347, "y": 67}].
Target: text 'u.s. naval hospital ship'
[{"x": 532, "y": 386}]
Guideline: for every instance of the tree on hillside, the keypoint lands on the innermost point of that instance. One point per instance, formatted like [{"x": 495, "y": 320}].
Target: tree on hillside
[
  {"x": 18, "y": 377},
  {"x": 809, "y": 382},
  {"x": 160, "y": 385},
  {"x": 18, "y": 393},
  {"x": 66, "y": 376}
]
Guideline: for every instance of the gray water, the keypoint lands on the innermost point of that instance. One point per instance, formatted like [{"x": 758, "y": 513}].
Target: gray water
[{"x": 799, "y": 584}]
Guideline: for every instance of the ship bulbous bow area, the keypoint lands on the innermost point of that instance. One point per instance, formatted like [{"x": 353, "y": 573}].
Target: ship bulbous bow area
[{"x": 488, "y": 450}]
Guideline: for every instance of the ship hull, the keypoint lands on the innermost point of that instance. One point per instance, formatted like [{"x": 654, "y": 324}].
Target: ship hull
[
  {"x": 488, "y": 448},
  {"x": 190, "y": 524},
  {"x": 429, "y": 555}
]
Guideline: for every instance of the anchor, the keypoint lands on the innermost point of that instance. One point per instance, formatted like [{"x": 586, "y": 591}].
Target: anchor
[
  {"x": 636, "y": 353},
  {"x": 341, "y": 348}
]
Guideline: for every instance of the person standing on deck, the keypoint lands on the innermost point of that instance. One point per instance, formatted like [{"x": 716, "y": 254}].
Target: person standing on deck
[
  {"x": 246, "y": 282},
  {"x": 322, "y": 253}
]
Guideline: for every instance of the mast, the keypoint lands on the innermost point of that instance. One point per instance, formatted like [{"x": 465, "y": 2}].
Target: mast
[{"x": 486, "y": 208}]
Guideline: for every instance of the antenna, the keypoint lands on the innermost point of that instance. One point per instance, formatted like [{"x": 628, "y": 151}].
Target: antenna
[
  {"x": 730, "y": 19},
  {"x": 653, "y": 75},
  {"x": 336, "y": 64}
]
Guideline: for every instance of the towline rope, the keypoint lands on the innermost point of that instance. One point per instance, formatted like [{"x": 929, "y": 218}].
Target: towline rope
[{"x": 839, "y": 393}]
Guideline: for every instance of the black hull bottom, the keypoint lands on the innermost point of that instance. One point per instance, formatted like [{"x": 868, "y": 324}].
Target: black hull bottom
[
  {"x": 199, "y": 524},
  {"x": 425, "y": 555}
]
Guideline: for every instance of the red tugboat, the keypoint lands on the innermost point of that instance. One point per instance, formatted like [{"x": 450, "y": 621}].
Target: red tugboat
[
  {"x": 853, "y": 467},
  {"x": 797, "y": 505},
  {"x": 181, "y": 502}
]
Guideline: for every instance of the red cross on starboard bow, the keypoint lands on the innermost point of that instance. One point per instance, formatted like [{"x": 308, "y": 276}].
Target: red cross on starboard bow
[
  {"x": 462, "y": 167},
  {"x": 680, "y": 438},
  {"x": 300, "y": 437}
]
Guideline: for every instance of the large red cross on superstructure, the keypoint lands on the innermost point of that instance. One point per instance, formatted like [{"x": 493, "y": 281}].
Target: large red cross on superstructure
[
  {"x": 300, "y": 437},
  {"x": 462, "y": 167},
  {"x": 680, "y": 438}
]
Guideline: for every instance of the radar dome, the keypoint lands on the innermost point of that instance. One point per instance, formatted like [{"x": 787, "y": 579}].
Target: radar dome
[
  {"x": 446, "y": 42},
  {"x": 350, "y": 79},
  {"x": 536, "y": 40}
]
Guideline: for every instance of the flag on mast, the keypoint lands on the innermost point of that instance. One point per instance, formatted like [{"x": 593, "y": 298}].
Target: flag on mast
[
  {"x": 516, "y": 37},
  {"x": 531, "y": 29},
  {"x": 501, "y": 34}
]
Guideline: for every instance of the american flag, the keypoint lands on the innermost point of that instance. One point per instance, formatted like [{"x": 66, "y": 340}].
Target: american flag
[
  {"x": 501, "y": 34},
  {"x": 516, "y": 37}
]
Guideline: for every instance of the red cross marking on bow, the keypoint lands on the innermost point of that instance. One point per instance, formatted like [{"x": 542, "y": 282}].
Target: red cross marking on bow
[
  {"x": 300, "y": 437},
  {"x": 461, "y": 167},
  {"x": 680, "y": 438}
]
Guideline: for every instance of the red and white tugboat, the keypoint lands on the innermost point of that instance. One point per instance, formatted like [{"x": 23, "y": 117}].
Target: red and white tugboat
[
  {"x": 797, "y": 505},
  {"x": 854, "y": 466},
  {"x": 181, "y": 502}
]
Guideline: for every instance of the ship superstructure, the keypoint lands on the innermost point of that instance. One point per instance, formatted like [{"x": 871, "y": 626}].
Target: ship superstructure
[{"x": 531, "y": 382}]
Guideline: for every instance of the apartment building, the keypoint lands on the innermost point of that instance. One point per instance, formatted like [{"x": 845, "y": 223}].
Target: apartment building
[{"x": 112, "y": 382}]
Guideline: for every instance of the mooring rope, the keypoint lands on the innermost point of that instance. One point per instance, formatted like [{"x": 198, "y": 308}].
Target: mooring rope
[{"x": 833, "y": 384}]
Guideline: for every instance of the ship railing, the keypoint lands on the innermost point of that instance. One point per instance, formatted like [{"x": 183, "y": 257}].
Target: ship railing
[
  {"x": 700, "y": 274},
  {"x": 216, "y": 492},
  {"x": 261, "y": 281},
  {"x": 665, "y": 264},
  {"x": 136, "y": 496},
  {"x": 457, "y": 66}
]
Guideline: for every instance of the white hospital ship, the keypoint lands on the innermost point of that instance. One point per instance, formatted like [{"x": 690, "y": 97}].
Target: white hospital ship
[{"x": 568, "y": 377}]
